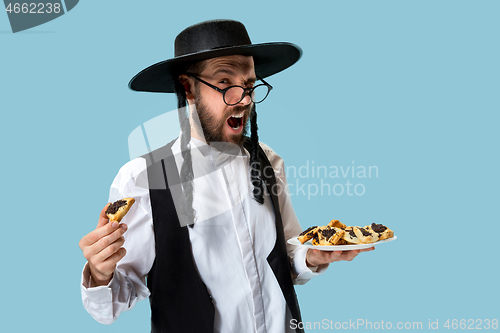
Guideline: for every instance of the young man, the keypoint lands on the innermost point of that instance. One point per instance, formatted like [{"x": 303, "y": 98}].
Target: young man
[{"x": 212, "y": 212}]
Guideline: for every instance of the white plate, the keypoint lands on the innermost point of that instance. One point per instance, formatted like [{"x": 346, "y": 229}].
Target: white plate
[{"x": 295, "y": 241}]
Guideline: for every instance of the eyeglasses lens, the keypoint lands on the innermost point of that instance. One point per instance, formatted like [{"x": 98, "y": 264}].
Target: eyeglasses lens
[
  {"x": 235, "y": 94},
  {"x": 260, "y": 93}
]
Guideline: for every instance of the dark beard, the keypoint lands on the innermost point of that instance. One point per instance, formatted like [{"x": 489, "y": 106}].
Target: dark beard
[{"x": 212, "y": 128}]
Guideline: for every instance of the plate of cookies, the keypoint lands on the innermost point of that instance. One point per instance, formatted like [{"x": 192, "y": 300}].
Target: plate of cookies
[{"x": 336, "y": 236}]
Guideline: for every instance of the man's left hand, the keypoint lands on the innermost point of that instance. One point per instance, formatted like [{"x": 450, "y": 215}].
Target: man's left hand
[{"x": 318, "y": 258}]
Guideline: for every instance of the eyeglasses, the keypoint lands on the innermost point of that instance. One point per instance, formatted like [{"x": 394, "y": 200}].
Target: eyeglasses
[{"x": 234, "y": 94}]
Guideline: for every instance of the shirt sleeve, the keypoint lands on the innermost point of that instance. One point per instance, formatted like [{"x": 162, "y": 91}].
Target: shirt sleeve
[
  {"x": 127, "y": 287},
  {"x": 291, "y": 226}
]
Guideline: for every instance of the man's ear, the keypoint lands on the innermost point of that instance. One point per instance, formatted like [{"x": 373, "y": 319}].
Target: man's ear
[{"x": 184, "y": 79}]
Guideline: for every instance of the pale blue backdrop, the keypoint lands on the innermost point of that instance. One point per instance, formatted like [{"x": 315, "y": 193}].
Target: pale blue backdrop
[{"x": 408, "y": 87}]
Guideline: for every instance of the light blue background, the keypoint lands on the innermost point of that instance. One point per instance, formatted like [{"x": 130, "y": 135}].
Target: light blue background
[{"x": 411, "y": 87}]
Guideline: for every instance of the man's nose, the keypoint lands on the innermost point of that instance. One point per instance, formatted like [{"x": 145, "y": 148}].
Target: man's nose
[{"x": 246, "y": 99}]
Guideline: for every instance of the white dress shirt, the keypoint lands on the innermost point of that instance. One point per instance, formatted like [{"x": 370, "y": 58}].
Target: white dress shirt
[{"x": 230, "y": 241}]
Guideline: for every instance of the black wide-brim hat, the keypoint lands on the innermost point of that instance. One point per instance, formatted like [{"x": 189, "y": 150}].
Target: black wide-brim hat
[{"x": 211, "y": 39}]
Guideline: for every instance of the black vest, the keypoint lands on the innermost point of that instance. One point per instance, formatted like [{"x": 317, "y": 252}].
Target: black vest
[{"x": 179, "y": 299}]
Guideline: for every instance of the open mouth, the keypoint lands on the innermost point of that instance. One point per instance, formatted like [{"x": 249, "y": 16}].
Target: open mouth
[{"x": 236, "y": 121}]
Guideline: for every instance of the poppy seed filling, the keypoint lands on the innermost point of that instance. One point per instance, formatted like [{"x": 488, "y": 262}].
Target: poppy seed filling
[
  {"x": 365, "y": 232},
  {"x": 378, "y": 228},
  {"x": 328, "y": 233},
  {"x": 113, "y": 208},
  {"x": 306, "y": 231}
]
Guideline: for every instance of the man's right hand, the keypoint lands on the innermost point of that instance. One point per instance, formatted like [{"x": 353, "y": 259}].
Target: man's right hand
[{"x": 103, "y": 249}]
